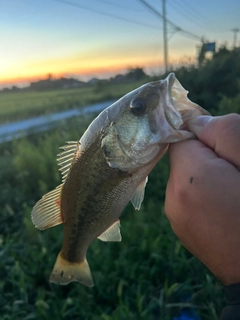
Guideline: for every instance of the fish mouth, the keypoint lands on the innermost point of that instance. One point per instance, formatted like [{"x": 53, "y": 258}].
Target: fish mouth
[
  {"x": 171, "y": 112},
  {"x": 178, "y": 109}
]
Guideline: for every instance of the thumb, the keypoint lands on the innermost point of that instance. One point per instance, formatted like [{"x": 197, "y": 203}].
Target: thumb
[
  {"x": 204, "y": 129},
  {"x": 221, "y": 134}
]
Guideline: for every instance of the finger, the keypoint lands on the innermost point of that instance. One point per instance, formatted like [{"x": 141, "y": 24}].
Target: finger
[{"x": 222, "y": 134}]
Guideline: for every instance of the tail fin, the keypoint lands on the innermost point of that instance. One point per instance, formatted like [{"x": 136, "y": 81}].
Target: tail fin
[{"x": 65, "y": 272}]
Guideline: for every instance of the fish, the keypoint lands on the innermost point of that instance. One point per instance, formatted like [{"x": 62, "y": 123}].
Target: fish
[{"x": 108, "y": 167}]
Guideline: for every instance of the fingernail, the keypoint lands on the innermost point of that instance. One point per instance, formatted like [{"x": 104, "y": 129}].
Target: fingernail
[{"x": 197, "y": 124}]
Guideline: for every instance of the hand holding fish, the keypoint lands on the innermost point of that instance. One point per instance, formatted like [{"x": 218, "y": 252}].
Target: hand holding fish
[{"x": 202, "y": 197}]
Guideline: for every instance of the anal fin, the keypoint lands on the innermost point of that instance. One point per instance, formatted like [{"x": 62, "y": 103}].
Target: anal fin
[
  {"x": 46, "y": 212},
  {"x": 138, "y": 196},
  {"x": 112, "y": 233}
]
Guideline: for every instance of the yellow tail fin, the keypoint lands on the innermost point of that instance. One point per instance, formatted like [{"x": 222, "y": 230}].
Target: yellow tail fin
[{"x": 65, "y": 272}]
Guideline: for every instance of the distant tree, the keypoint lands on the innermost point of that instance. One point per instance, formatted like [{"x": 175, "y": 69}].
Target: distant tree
[
  {"x": 218, "y": 77},
  {"x": 229, "y": 105},
  {"x": 136, "y": 74}
]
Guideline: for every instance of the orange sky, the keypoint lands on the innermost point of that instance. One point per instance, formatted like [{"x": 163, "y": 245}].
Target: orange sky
[
  {"x": 48, "y": 37},
  {"x": 74, "y": 65},
  {"x": 104, "y": 63}
]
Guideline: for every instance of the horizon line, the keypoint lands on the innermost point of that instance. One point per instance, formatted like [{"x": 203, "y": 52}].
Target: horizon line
[{"x": 101, "y": 73}]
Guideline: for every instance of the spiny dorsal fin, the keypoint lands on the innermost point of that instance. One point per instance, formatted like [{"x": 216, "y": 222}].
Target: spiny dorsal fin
[
  {"x": 112, "y": 233},
  {"x": 138, "y": 196},
  {"x": 46, "y": 212},
  {"x": 65, "y": 158}
]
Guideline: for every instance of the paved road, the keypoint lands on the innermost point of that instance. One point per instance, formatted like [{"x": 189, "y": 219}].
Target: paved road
[{"x": 42, "y": 123}]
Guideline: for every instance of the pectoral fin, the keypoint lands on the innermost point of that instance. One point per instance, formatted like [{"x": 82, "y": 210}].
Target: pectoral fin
[
  {"x": 46, "y": 212},
  {"x": 112, "y": 233},
  {"x": 138, "y": 196}
]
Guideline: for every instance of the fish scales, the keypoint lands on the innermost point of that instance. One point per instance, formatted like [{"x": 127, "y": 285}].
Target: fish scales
[
  {"x": 86, "y": 200},
  {"x": 108, "y": 167}
]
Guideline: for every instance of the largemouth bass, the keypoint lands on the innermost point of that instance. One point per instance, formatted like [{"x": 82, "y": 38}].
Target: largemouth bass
[{"x": 108, "y": 167}]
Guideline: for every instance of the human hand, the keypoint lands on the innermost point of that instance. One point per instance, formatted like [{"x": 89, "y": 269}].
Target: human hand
[{"x": 203, "y": 194}]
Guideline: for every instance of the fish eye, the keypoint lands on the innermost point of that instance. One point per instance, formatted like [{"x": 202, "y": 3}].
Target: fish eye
[{"x": 138, "y": 106}]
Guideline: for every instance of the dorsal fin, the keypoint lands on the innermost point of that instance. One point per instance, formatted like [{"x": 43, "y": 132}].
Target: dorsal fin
[
  {"x": 46, "y": 212},
  {"x": 65, "y": 158}
]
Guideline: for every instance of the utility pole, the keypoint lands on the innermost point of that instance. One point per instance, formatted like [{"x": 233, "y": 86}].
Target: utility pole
[
  {"x": 166, "y": 22},
  {"x": 235, "y": 31},
  {"x": 165, "y": 40}
]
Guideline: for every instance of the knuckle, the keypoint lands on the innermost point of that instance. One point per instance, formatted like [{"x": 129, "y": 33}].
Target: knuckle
[
  {"x": 228, "y": 132},
  {"x": 229, "y": 121},
  {"x": 177, "y": 201},
  {"x": 232, "y": 117}
]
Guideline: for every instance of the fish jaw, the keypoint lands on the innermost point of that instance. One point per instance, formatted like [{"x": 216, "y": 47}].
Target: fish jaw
[
  {"x": 166, "y": 101},
  {"x": 173, "y": 113},
  {"x": 178, "y": 108}
]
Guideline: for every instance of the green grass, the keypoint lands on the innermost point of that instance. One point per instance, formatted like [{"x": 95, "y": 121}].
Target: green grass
[
  {"x": 148, "y": 275},
  {"x": 23, "y": 104}
]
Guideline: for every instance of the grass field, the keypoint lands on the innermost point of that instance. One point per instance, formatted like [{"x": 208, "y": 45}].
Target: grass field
[{"x": 22, "y": 105}]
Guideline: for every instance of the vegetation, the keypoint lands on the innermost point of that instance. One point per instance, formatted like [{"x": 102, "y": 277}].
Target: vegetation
[
  {"x": 215, "y": 79},
  {"x": 149, "y": 275},
  {"x": 27, "y": 104}
]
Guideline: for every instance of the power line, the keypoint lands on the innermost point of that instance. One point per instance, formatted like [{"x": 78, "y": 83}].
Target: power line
[
  {"x": 178, "y": 7},
  {"x": 79, "y": 6},
  {"x": 167, "y": 22},
  {"x": 115, "y": 5},
  {"x": 176, "y": 27},
  {"x": 193, "y": 12},
  {"x": 157, "y": 13}
]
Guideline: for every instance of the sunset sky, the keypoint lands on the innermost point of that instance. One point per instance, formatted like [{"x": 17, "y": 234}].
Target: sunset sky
[{"x": 89, "y": 38}]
